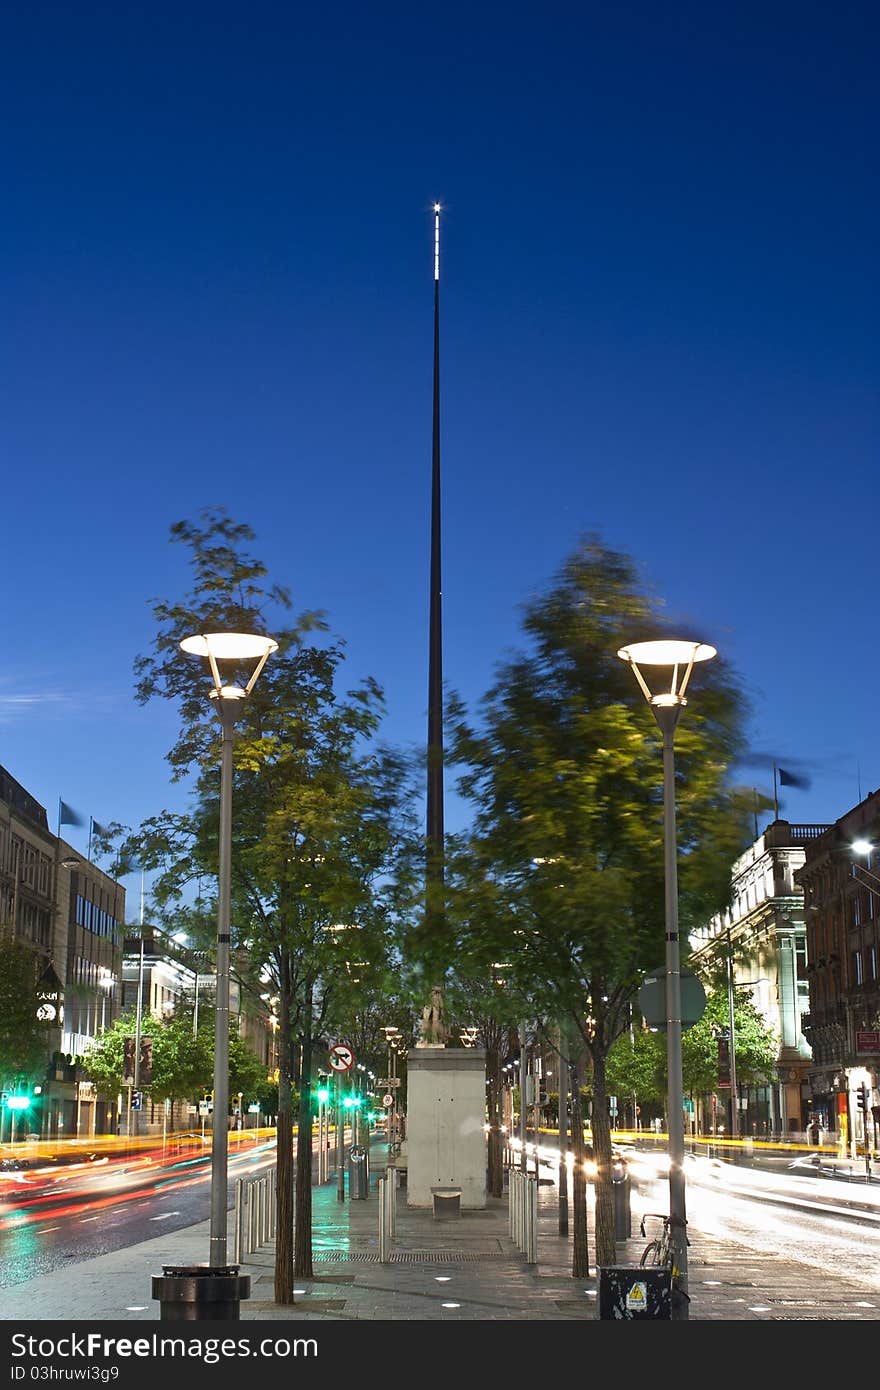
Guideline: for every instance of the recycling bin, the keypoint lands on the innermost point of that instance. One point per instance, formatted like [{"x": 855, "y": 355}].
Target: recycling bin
[
  {"x": 620, "y": 1188},
  {"x": 195, "y": 1293},
  {"x": 636, "y": 1293},
  {"x": 358, "y": 1174}
]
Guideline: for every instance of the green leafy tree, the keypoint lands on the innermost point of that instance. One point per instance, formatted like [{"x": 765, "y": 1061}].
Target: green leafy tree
[
  {"x": 564, "y": 872},
  {"x": 24, "y": 1040},
  {"x": 756, "y": 1045},
  {"x": 317, "y": 815},
  {"x": 637, "y": 1066}
]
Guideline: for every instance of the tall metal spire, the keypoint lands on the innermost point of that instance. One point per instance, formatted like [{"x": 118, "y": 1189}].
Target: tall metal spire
[{"x": 435, "y": 865}]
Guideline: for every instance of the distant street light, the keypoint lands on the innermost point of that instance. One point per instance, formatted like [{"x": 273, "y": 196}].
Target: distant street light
[
  {"x": 239, "y": 648},
  {"x": 666, "y": 706}
]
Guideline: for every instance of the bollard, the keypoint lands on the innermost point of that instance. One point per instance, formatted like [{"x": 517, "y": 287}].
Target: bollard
[{"x": 620, "y": 1188}]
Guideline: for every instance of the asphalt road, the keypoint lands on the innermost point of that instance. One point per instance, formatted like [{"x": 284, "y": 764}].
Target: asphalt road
[{"x": 90, "y": 1209}]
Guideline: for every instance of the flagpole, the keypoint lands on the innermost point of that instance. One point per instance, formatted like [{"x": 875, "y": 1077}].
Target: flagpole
[
  {"x": 91, "y": 823},
  {"x": 775, "y": 796}
]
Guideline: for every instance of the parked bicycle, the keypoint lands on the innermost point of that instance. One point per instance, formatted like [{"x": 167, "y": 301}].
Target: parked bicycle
[{"x": 659, "y": 1250}]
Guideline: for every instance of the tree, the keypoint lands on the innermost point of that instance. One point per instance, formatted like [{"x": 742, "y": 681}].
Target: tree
[
  {"x": 317, "y": 814},
  {"x": 637, "y": 1066},
  {"x": 23, "y": 1038},
  {"x": 564, "y": 770},
  {"x": 756, "y": 1045}
]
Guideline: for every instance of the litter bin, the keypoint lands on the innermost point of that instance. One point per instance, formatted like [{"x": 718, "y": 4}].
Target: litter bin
[
  {"x": 192, "y": 1293},
  {"x": 620, "y": 1187},
  {"x": 635, "y": 1293},
  {"x": 358, "y": 1177}
]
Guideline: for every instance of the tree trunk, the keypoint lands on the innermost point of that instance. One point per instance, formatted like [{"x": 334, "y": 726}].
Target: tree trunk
[
  {"x": 580, "y": 1254},
  {"x": 606, "y": 1253},
  {"x": 562, "y": 1119},
  {"x": 302, "y": 1226},
  {"x": 495, "y": 1162},
  {"x": 284, "y": 1158}
]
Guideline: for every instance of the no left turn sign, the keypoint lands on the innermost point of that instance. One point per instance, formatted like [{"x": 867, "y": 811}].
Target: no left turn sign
[{"x": 341, "y": 1057}]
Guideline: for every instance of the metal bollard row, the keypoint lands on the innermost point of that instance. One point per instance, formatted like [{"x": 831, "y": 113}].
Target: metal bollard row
[
  {"x": 523, "y": 1213},
  {"x": 255, "y": 1212},
  {"x": 387, "y": 1213}
]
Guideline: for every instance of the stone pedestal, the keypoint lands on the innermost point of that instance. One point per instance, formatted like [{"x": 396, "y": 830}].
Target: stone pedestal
[{"x": 445, "y": 1124}]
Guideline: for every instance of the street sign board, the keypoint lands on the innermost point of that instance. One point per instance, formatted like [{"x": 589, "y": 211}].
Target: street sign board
[
  {"x": 868, "y": 1040},
  {"x": 388, "y": 1100},
  {"x": 652, "y": 999},
  {"x": 391, "y": 1081},
  {"x": 341, "y": 1057}
]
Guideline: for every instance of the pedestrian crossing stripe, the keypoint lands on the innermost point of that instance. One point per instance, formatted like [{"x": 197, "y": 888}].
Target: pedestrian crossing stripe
[{"x": 637, "y": 1298}]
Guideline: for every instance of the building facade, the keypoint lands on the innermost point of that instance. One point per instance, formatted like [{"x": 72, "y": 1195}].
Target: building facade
[
  {"x": 842, "y": 904},
  {"x": 69, "y": 913},
  {"x": 763, "y": 934}
]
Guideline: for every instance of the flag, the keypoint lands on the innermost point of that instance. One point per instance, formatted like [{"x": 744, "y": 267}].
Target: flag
[
  {"x": 793, "y": 779},
  {"x": 67, "y": 815},
  {"x": 100, "y": 830}
]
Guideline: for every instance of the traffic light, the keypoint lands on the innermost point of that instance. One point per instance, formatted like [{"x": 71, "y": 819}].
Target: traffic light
[
  {"x": 128, "y": 1060},
  {"x": 862, "y": 1099},
  {"x": 322, "y": 1095},
  {"x": 18, "y": 1102},
  {"x": 136, "y": 1099}
]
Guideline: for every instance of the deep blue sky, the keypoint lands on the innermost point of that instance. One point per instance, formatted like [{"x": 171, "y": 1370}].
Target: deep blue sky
[{"x": 660, "y": 310}]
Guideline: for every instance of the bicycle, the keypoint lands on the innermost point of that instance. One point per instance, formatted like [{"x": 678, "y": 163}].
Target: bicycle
[{"x": 659, "y": 1250}]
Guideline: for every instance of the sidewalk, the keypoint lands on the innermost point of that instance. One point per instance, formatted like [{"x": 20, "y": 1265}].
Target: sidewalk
[{"x": 458, "y": 1269}]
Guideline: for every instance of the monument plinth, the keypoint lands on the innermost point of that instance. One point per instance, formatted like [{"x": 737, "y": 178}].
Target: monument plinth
[{"x": 446, "y": 1132}]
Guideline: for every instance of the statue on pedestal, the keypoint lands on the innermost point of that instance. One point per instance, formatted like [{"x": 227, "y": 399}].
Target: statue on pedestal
[{"x": 433, "y": 1030}]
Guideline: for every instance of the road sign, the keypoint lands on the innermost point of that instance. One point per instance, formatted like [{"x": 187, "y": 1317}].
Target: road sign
[
  {"x": 652, "y": 999},
  {"x": 388, "y": 1099},
  {"x": 341, "y": 1057},
  {"x": 391, "y": 1081}
]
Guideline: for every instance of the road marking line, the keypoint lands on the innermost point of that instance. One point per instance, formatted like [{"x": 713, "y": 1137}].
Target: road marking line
[
  {"x": 165, "y": 1216},
  {"x": 43, "y": 1229},
  {"x": 84, "y": 1219}
]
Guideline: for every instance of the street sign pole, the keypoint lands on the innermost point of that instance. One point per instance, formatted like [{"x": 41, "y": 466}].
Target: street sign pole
[{"x": 340, "y": 1156}]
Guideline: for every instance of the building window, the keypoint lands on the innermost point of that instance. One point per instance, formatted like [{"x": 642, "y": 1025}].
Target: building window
[{"x": 857, "y": 978}]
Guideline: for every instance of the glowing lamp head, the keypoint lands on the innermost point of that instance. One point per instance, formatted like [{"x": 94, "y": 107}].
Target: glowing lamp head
[
  {"x": 861, "y": 847},
  {"x": 230, "y": 646},
  {"x": 678, "y": 656}
]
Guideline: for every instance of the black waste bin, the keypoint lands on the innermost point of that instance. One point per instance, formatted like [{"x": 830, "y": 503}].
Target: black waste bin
[
  {"x": 358, "y": 1176},
  {"x": 620, "y": 1187},
  {"x": 635, "y": 1292},
  {"x": 191, "y": 1293}
]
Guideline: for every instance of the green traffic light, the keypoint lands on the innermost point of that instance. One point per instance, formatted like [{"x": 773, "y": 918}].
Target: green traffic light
[
  {"x": 323, "y": 1095},
  {"x": 18, "y": 1102}
]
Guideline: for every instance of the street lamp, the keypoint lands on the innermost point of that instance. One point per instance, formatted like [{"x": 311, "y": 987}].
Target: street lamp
[
  {"x": 239, "y": 648},
  {"x": 666, "y": 706}
]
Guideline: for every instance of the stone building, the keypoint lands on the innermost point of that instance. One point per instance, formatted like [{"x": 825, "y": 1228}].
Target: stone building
[
  {"x": 763, "y": 933},
  {"x": 842, "y": 903},
  {"x": 69, "y": 913}
]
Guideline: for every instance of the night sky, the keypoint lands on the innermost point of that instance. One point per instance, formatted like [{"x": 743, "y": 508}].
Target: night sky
[{"x": 660, "y": 305}]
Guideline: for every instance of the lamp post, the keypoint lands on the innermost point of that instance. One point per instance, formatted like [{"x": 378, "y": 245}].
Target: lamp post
[
  {"x": 237, "y": 648},
  {"x": 666, "y": 707}
]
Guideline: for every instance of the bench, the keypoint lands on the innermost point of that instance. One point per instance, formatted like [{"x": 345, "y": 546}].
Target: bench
[{"x": 447, "y": 1203}]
